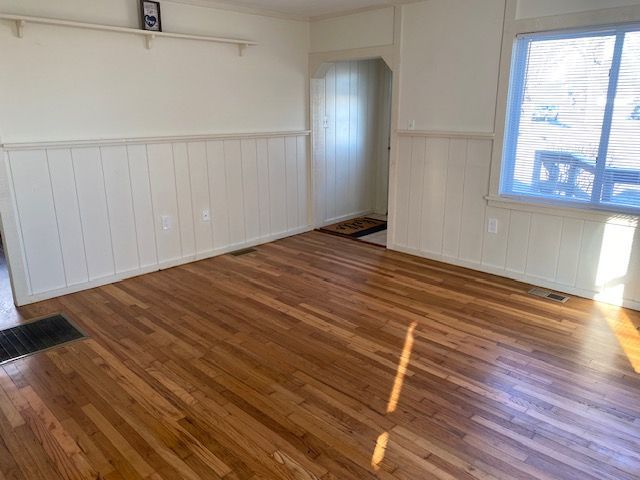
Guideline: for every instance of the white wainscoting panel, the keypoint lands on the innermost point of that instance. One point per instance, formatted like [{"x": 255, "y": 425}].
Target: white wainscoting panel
[
  {"x": 200, "y": 196},
  {"x": 251, "y": 216},
  {"x": 453, "y": 196},
  {"x": 143, "y": 205},
  {"x": 264, "y": 186},
  {"x": 68, "y": 216},
  {"x": 122, "y": 223},
  {"x": 94, "y": 213},
  {"x": 164, "y": 198},
  {"x": 441, "y": 212},
  {"x": 518, "y": 241},
  {"x": 277, "y": 183},
  {"x": 185, "y": 205},
  {"x": 90, "y": 215},
  {"x": 35, "y": 204}
]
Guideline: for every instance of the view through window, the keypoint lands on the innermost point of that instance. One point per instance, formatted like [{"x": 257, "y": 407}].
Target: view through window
[{"x": 573, "y": 124}]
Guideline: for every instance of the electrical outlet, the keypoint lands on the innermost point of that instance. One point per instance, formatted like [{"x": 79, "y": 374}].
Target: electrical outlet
[
  {"x": 493, "y": 225},
  {"x": 166, "y": 222},
  {"x": 412, "y": 124},
  {"x": 325, "y": 122},
  {"x": 206, "y": 215}
]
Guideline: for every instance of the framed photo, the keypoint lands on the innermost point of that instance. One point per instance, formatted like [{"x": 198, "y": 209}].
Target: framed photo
[{"x": 150, "y": 12}]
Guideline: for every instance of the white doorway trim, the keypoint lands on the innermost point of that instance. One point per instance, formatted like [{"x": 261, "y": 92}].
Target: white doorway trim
[
  {"x": 11, "y": 236},
  {"x": 390, "y": 54},
  {"x": 356, "y": 160}
]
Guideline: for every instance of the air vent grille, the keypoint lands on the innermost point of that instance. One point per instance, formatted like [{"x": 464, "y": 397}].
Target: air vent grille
[
  {"x": 549, "y": 295},
  {"x": 36, "y": 336},
  {"x": 245, "y": 251}
]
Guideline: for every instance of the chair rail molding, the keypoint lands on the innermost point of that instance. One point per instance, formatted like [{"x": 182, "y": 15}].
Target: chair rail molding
[{"x": 143, "y": 140}]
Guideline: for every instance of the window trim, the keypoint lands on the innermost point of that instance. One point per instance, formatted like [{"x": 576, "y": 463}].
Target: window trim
[
  {"x": 611, "y": 19},
  {"x": 569, "y": 208}
]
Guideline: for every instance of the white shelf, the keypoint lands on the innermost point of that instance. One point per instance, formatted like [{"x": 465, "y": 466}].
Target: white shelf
[{"x": 21, "y": 21}]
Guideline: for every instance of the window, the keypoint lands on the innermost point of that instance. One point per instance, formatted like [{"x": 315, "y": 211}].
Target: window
[{"x": 573, "y": 121}]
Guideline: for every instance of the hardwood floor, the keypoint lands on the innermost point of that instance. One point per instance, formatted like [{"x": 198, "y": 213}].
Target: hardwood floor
[{"x": 323, "y": 358}]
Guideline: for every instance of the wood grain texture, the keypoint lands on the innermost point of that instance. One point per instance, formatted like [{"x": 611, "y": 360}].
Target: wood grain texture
[{"x": 318, "y": 357}]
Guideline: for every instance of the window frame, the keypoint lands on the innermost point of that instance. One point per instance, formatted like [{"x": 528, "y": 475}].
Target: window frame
[{"x": 606, "y": 21}]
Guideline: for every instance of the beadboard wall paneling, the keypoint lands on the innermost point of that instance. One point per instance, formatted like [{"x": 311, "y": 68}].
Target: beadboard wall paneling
[
  {"x": 35, "y": 205},
  {"x": 93, "y": 215},
  {"x": 442, "y": 214}
]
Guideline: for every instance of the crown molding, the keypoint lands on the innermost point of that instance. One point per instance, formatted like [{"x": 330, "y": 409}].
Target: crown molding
[
  {"x": 266, "y": 12},
  {"x": 353, "y": 11},
  {"x": 228, "y": 6}
]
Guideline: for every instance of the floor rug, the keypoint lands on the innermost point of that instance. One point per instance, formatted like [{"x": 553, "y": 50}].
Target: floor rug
[{"x": 356, "y": 227}]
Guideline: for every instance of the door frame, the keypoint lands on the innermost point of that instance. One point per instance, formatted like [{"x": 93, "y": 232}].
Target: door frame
[
  {"x": 11, "y": 235},
  {"x": 319, "y": 63}
]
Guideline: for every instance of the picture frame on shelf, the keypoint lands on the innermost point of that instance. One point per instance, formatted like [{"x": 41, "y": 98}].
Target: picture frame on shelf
[{"x": 150, "y": 16}]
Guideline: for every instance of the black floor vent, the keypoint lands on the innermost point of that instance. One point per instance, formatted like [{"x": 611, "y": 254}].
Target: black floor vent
[
  {"x": 36, "y": 336},
  {"x": 246, "y": 251}
]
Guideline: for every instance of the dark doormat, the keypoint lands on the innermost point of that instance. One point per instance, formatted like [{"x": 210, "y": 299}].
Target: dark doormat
[
  {"x": 356, "y": 228},
  {"x": 36, "y": 336}
]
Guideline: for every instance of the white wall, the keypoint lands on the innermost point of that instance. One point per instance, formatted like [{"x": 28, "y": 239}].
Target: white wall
[
  {"x": 370, "y": 28},
  {"x": 543, "y": 8},
  {"x": 85, "y": 211},
  {"x": 89, "y": 215},
  {"x": 450, "y": 57},
  {"x": 347, "y": 157},
  {"x": 67, "y": 84},
  {"x": 449, "y": 77}
]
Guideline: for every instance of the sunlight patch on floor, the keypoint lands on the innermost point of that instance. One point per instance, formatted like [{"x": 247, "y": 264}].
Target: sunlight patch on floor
[
  {"x": 380, "y": 450},
  {"x": 628, "y": 337},
  {"x": 402, "y": 370},
  {"x": 394, "y": 397}
]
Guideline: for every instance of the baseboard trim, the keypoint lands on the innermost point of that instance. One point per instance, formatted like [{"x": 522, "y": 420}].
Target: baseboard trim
[
  {"x": 99, "y": 282},
  {"x": 344, "y": 218},
  {"x": 520, "y": 277}
]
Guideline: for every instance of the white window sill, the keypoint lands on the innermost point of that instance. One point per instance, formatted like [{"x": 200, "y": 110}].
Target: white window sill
[{"x": 562, "y": 209}]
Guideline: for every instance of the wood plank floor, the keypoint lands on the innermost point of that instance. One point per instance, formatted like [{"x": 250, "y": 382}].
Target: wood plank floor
[{"x": 323, "y": 358}]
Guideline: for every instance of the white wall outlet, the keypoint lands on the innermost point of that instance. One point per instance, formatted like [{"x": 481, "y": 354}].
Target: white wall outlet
[
  {"x": 412, "y": 124},
  {"x": 166, "y": 222},
  {"x": 206, "y": 215},
  {"x": 493, "y": 225},
  {"x": 325, "y": 122}
]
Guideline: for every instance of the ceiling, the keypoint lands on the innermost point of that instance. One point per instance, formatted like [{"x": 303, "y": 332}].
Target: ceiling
[{"x": 301, "y": 8}]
